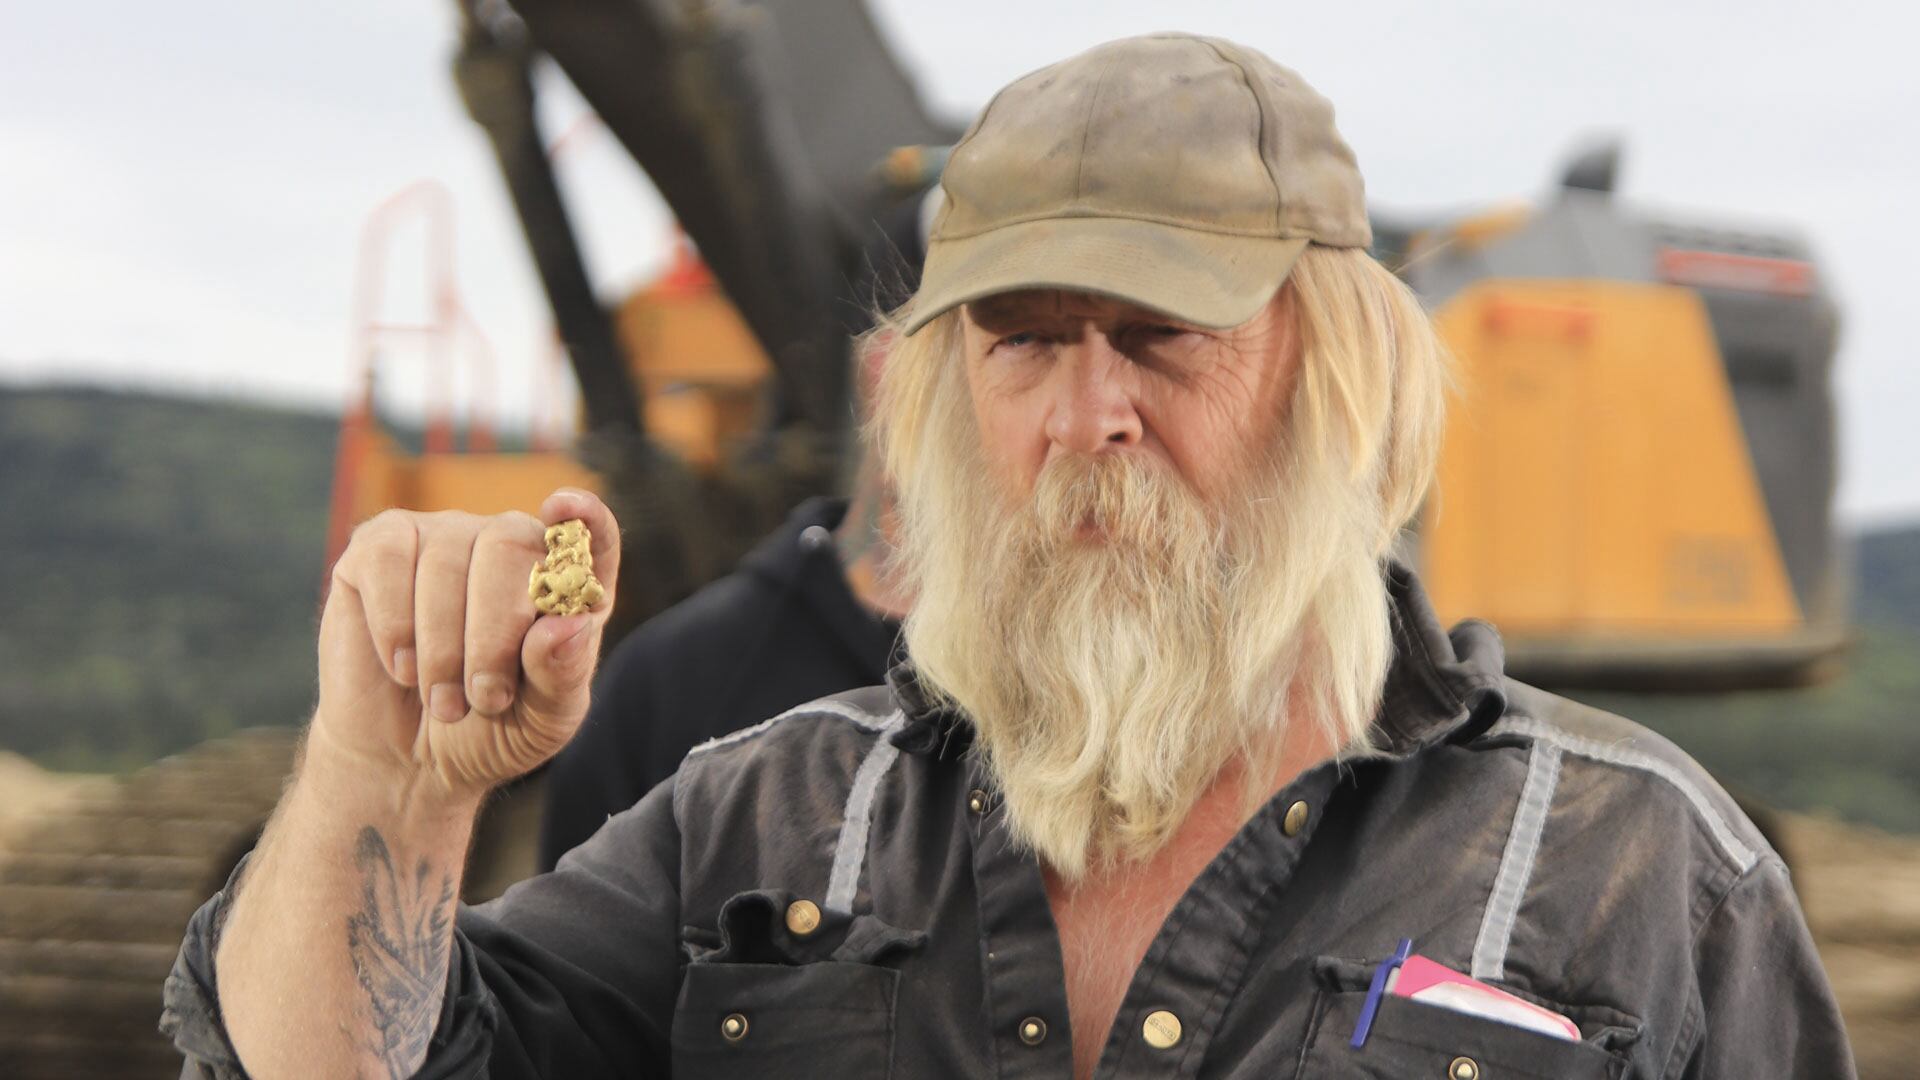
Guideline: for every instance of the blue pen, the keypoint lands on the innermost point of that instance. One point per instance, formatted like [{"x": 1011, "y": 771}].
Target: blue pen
[{"x": 1379, "y": 987}]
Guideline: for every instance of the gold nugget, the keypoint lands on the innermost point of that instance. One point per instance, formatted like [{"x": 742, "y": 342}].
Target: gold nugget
[{"x": 563, "y": 582}]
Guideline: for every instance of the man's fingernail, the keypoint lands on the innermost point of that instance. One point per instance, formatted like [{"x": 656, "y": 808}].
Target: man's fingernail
[
  {"x": 446, "y": 702},
  {"x": 404, "y": 668},
  {"x": 491, "y": 694}
]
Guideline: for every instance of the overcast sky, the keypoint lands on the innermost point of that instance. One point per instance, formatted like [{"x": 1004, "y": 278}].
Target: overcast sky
[{"x": 182, "y": 185}]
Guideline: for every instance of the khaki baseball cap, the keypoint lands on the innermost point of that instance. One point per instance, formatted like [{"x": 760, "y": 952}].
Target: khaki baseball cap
[{"x": 1183, "y": 174}]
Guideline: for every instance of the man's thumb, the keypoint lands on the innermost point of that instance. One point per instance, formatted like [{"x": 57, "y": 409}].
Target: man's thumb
[{"x": 556, "y": 664}]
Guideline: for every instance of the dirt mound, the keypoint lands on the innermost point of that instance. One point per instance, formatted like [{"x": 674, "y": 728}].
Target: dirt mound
[
  {"x": 33, "y": 793},
  {"x": 98, "y": 876},
  {"x": 1861, "y": 891}
]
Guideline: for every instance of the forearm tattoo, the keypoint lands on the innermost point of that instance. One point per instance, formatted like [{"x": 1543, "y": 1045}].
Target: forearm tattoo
[{"x": 399, "y": 942}]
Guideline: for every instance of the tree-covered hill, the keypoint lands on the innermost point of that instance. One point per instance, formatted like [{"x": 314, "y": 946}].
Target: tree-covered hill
[
  {"x": 1852, "y": 745},
  {"x": 1887, "y": 562},
  {"x": 159, "y": 567}
]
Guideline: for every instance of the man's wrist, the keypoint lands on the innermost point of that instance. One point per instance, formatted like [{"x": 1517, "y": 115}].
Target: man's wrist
[{"x": 391, "y": 789}]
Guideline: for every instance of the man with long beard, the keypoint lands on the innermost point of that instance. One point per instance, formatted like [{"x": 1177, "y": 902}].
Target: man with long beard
[{"x": 1181, "y": 777}]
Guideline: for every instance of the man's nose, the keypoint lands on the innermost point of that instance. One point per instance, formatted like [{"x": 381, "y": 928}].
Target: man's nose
[{"x": 1092, "y": 408}]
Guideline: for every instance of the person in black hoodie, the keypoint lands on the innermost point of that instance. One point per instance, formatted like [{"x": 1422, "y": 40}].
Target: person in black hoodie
[{"x": 808, "y": 613}]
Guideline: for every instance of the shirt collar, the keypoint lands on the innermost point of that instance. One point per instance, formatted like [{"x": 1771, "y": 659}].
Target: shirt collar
[{"x": 1441, "y": 687}]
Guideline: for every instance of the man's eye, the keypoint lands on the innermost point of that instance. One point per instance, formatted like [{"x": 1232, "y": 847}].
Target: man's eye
[
  {"x": 1159, "y": 336},
  {"x": 1019, "y": 341}
]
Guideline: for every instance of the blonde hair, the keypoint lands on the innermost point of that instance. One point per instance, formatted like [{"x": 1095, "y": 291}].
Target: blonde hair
[
  {"x": 1376, "y": 377},
  {"x": 1105, "y": 716}
]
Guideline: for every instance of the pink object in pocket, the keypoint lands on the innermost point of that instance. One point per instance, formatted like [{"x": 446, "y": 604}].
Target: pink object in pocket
[{"x": 1430, "y": 983}]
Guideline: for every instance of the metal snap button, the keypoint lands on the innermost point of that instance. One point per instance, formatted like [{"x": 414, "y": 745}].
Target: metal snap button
[
  {"x": 1296, "y": 819},
  {"x": 1463, "y": 1068},
  {"x": 1161, "y": 1029},
  {"x": 803, "y": 917},
  {"x": 733, "y": 1028},
  {"x": 977, "y": 801},
  {"x": 1033, "y": 1031},
  {"x": 815, "y": 537}
]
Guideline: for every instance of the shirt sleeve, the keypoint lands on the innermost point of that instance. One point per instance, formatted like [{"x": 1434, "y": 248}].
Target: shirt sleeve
[
  {"x": 1765, "y": 1006},
  {"x": 570, "y": 974}
]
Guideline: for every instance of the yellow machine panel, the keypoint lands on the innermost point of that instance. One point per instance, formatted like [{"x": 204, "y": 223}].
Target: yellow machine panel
[
  {"x": 699, "y": 370},
  {"x": 479, "y": 483},
  {"x": 1595, "y": 481}
]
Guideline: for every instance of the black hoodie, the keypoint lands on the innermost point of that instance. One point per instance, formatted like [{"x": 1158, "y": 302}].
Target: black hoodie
[{"x": 781, "y": 630}]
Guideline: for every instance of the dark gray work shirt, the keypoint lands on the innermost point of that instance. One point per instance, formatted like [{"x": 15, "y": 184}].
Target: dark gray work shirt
[{"x": 1561, "y": 853}]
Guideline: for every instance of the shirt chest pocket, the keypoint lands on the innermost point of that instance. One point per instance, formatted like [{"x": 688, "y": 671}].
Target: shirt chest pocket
[
  {"x": 1411, "y": 1039},
  {"x": 828, "y": 1020},
  {"x": 784, "y": 989}
]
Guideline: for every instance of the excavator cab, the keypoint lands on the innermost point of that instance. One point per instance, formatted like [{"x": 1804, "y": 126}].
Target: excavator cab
[{"x": 1637, "y": 487}]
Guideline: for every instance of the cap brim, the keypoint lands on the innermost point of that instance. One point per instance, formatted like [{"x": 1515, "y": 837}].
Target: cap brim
[{"x": 1207, "y": 279}]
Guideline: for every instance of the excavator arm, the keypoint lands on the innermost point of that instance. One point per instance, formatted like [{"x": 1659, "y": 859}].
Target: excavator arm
[{"x": 762, "y": 126}]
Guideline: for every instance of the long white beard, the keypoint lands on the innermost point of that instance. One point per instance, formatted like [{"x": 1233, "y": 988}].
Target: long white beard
[{"x": 1111, "y": 672}]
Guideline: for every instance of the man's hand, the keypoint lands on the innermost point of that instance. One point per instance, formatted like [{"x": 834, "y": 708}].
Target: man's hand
[
  {"x": 438, "y": 680},
  {"x": 434, "y": 663}
]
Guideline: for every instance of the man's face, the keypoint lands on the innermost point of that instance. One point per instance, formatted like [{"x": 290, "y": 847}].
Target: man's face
[
  {"x": 1056, "y": 374},
  {"x": 1142, "y": 551},
  {"x": 1106, "y": 541}
]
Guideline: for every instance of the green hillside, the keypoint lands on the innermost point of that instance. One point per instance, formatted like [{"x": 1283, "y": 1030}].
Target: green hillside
[
  {"x": 1851, "y": 746},
  {"x": 160, "y": 562},
  {"x": 1887, "y": 562}
]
